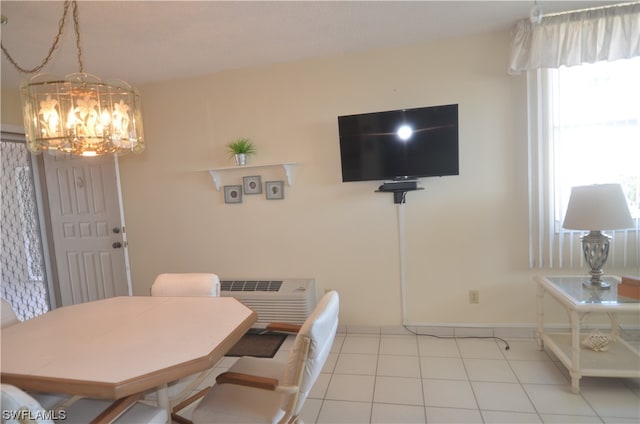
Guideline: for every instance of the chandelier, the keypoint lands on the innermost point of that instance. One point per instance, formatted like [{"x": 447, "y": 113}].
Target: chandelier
[{"x": 79, "y": 114}]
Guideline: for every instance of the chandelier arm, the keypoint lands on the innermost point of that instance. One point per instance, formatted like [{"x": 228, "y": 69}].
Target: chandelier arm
[{"x": 54, "y": 46}]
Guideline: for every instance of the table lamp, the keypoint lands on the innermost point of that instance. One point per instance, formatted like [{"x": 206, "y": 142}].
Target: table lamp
[{"x": 596, "y": 208}]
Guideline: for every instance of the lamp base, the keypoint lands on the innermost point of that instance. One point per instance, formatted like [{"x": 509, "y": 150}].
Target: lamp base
[
  {"x": 597, "y": 285},
  {"x": 595, "y": 247}
]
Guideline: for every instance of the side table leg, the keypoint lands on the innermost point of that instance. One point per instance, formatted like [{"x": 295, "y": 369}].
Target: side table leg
[
  {"x": 615, "y": 326},
  {"x": 574, "y": 370},
  {"x": 540, "y": 317}
]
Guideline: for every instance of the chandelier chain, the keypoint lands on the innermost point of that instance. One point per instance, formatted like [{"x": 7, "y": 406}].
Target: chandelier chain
[
  {"x": 76, "y": 28},
  {"x": 56, "y": 42}
]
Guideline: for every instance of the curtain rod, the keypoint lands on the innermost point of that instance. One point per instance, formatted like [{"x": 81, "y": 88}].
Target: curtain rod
[{"x": 588, "y": 9}]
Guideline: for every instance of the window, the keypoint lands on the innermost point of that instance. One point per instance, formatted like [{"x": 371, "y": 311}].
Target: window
[
  {"x": 586, "y": 130},
  {"x": 596, "y": 129}
]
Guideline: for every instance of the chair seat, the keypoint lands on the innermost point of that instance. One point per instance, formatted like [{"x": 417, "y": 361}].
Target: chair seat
[
  {"x": 84, "y": 410},
  {"x": 223, "y": 401},
  {"x": 226, "y": 403}
]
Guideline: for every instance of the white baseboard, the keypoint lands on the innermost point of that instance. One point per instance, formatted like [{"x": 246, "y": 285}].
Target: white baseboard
[{"x": 505, "y": 331}]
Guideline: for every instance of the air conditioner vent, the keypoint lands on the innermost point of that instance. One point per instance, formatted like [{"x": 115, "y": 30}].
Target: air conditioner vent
[
  {"x": 289, "y": 300},
  {"x": 266, "y": 286}
]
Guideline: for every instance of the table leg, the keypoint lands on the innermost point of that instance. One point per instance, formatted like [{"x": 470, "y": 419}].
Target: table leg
[
  {"x": 574, "y": 370},
  {"x": 162, "y": 395},
  {"x": 615, "y": 328},
  {"x": 540, "y": 317}
]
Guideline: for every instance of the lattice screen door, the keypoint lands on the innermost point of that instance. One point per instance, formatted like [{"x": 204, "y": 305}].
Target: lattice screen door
[{"x": 22, "y": 275}]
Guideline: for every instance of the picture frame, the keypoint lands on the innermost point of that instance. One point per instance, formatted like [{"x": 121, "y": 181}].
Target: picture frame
[
  {"x": 274, "y": 190},
  {"x": 233, "y": 194},
  {"x": 252, "y": 184}
]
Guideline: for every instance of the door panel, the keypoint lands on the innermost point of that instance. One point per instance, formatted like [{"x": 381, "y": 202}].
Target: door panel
[{"x": 85, "y": 210}]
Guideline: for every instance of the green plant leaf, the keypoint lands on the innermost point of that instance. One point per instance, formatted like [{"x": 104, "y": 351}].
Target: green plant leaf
[{"x": 241, "y": 146}]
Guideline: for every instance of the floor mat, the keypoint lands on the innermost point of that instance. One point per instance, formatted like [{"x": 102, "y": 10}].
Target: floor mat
[{"x": 257, "y": 345}]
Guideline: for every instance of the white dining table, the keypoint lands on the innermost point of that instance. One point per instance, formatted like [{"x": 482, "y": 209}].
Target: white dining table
[{"x": 117, "y": 347}]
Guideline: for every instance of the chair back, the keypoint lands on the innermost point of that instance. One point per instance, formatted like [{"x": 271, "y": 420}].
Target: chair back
[
  {"x": 189, "y": 284},
  {"x": 310, "y": 350},
  {"x": 18, "y": 407},
  {"x": 8, "y": 315}
]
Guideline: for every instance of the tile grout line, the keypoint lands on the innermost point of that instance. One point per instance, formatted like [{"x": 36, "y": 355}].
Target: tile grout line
[
  {"x": 466, "y": 371},
  {"x": 424, "y": 400}
]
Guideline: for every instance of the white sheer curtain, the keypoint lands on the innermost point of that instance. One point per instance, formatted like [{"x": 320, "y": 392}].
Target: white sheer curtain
[{"x": 575, "y": 38}]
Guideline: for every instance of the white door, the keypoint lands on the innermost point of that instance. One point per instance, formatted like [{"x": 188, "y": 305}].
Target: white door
[{"x": 88, "y": 232}]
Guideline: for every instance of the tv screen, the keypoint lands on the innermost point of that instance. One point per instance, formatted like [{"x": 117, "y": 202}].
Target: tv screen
[{"x": 399, "y": 144}]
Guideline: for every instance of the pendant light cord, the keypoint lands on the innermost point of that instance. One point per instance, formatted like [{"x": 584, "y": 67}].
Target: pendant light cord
[{"x": 56, "y": 41}]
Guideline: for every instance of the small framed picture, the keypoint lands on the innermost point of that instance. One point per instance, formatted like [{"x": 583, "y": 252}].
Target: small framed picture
[
  {"x": 274, "y": 189},
  {"x": 233, "y": 194},
  {"x": 252, "y": 185}
]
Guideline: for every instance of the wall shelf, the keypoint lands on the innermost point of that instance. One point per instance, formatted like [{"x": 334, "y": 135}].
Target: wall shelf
[
  {"x": 287, "y": 167},
  {"x": 399, "y": 194}
]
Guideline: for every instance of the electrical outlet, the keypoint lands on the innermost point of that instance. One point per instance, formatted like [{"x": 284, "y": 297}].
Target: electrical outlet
[{"x": 474, "y": 296}]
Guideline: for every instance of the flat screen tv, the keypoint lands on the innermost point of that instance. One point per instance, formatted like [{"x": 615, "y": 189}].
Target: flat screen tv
[{"x": 399, "y": 144}]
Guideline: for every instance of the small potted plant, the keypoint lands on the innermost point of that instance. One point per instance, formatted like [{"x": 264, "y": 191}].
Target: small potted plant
[{"x": 240, "y": 149}]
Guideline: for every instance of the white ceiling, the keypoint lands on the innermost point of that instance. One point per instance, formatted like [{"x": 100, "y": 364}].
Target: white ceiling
[{"x": 147, "y": 41}]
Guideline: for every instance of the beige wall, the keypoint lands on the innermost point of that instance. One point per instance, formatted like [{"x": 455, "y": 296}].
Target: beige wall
[
  {"x": 466, "y": 232},
  {"x": 10, "y": 108}
]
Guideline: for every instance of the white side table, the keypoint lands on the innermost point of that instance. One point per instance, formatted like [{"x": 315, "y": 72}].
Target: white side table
[{"x": 620, "y": 360}]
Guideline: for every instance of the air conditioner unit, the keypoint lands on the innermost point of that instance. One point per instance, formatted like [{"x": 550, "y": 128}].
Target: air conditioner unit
[{"x": 288, "y": 300}]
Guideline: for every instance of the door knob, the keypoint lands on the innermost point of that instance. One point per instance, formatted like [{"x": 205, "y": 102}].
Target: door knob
[
  {"x": 116, "y": 245},
  {"x": 116, "y": 230}
]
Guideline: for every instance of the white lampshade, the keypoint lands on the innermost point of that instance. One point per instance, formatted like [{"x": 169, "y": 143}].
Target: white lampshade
[{"x": 597, "y": 207}]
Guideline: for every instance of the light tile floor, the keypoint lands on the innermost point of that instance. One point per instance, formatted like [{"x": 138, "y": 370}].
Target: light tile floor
[{"x": 377, "y": 378}]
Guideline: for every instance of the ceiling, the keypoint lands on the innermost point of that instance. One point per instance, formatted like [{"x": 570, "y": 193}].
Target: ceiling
[{"x": 147, "y": 41}]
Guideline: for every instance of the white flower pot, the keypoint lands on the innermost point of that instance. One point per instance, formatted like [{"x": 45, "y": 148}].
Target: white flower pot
[{"x": 241, "y": 159}]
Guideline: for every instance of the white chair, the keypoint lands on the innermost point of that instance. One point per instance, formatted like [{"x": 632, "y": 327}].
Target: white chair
[
  {"x": 268, "y": 391},
  {"x": 186, "y": 284},
  {"x": 189, "y": 284},
  {"x": 20, "y": 407},
  {"x": 8, "y": 314}
]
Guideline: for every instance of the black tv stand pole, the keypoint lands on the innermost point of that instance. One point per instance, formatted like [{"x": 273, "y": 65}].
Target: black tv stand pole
[{"x": 398, "y": 194}]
